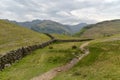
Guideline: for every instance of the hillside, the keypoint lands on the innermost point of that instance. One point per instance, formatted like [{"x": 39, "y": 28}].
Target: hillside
[
  {"x": 102, "y": 29},
  {"x": 102, "y": 63},
  {"x": 13, "y": 36}
]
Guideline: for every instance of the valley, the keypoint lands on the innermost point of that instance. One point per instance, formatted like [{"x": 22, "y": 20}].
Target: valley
[{"x": 90, "y": 54}]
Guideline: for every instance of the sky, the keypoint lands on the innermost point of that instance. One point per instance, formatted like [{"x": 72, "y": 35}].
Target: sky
[{"x": 63, "y": 11}]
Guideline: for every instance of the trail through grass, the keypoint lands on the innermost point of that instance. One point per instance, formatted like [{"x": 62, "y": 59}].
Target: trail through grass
[
  {"x": 103, "y": 63},
  {"x": 39, "y": 62}
]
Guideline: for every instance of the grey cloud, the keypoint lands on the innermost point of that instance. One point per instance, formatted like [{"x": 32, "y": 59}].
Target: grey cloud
[{"x": 60, "y": 10}]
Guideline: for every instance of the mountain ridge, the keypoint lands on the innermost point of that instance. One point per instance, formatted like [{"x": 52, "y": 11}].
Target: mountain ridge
[{"x": 49, "y": 26}]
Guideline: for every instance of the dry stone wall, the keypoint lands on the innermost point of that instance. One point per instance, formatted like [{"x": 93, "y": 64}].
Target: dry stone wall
[
  {"x": 15, "y": 55},
  {"x": 74, "y": 40}
]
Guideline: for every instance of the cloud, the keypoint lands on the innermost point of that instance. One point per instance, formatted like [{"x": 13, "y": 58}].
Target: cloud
[{"x": 64, "y": 11}]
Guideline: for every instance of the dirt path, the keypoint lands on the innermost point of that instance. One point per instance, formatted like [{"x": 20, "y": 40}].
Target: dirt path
[{"x": 52, "y": 73}]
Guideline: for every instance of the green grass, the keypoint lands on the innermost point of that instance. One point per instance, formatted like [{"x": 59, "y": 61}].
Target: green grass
[
  {"x": 39, "y": 62},
  {"x": 13, "y": 36},
  {"x": 103, "y": 63}
]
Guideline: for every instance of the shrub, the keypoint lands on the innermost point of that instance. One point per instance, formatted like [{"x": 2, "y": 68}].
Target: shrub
[
  {"x": 74, "y": 47},
  {"x": 50, "y": 47}
]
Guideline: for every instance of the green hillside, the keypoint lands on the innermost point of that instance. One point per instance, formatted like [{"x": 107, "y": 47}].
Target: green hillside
[
  {"x": 102, "y": 29},
  {"x": 102, "y": 63},
  {"x": 13, "y": 36}
]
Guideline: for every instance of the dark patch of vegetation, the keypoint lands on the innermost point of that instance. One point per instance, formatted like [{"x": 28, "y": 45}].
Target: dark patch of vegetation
[
  {"x": 74, "y": 47},
  {"x": 50, "y": 47},
  {"x": 76, "y": 73}
]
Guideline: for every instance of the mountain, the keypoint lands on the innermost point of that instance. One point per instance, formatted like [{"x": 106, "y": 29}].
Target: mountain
[
  {"x": 13, "y": 36},
  {"x": 28, "y": 24},
  {"x": 78, "y": 27},
  {"x": 49, "y": 26},
  {"x": 45, "y": 26},
  {"x": 99, "y": 30}
]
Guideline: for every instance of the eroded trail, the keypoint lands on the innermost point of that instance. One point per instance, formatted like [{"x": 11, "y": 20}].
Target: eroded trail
[{"x": 52, "y": 73}]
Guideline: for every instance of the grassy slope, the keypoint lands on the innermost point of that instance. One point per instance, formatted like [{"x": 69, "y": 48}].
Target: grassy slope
[
  {"x": 100, "y": 30},
  {"x": 13, "y": 36},
  {"x": 41, "y": 61},
  {"x": 102, "y": 63}
]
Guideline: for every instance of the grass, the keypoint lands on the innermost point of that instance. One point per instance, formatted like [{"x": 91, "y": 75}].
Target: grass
[
  {"x": 102, "y": 63},
  {"x": 13, "y": 36},
  {"x": 39, "y": 62}
]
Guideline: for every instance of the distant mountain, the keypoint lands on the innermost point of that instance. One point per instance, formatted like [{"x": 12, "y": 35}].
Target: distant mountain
[
  {"x": 76, "y": 28},
  {"x": 49, "y": 26},
  {"x": 102, "y": 29},
  {"x": 28, "y": 24}
]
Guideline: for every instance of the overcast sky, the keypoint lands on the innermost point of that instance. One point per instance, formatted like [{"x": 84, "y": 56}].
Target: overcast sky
[{"x": 64, "y": 11}]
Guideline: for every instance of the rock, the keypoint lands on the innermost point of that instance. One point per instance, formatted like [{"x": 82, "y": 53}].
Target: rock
[{"x": 7, "y": 65}]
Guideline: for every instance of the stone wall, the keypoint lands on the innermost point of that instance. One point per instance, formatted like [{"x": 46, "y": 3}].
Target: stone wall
[
  {"x": 15, "y": 55},
  {"x": 49, "y": 35},
  {"x": 74, "y": 40}
]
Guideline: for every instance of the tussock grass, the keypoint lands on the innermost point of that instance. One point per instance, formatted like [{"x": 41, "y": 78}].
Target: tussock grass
[{"x": 102, "y": 63}]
